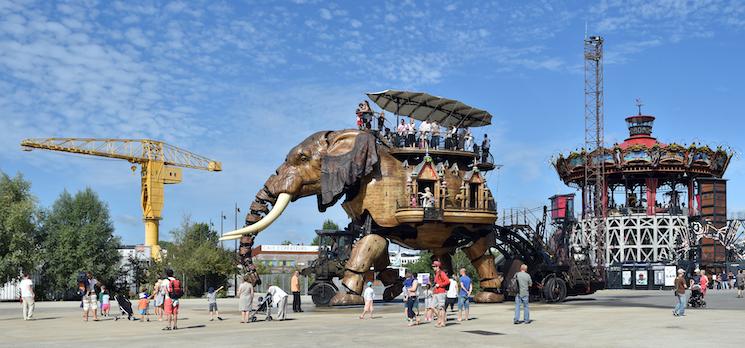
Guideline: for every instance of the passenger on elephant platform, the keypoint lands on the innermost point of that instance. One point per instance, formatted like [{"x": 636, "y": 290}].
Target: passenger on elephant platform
[
  {"x": 435, "y": 130},
  {"x": 411, "y": 134},
  {"x": 401, "y": 132},
  {"x": 485, "y": 145}
]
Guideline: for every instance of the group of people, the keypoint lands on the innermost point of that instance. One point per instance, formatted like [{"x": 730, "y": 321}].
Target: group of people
[
  {"x": 443, "y": 292},
  {"x": 428, "y": 134},
  {"x": 94, "y": 297},
  {"x": 699, "y": 283},
  {"x": 165, "y": 295}
]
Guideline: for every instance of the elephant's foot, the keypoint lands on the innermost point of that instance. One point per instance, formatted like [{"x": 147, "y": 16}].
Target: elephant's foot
[
  {"x": 488, "y": 297},
  {"x": 346, "y": 299}
]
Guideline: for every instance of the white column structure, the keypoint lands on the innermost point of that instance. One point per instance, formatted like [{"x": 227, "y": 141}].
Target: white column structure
[{"x": 633, "y": 238}]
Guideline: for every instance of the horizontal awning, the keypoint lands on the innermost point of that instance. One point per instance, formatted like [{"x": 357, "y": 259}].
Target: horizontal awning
[{"x": 423, "y": 106}]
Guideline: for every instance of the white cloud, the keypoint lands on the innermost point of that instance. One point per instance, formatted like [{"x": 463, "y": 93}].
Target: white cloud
[{"x": 326, "y": 14}]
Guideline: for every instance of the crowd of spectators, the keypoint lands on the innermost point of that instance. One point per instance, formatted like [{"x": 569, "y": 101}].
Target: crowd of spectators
[{"x": 424, "y": 135}]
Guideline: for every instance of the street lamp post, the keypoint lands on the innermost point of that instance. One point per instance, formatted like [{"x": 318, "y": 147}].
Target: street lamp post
[{"x": 235, "y": 277}]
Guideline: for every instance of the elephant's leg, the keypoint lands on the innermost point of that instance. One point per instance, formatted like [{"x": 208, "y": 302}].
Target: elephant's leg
[
  {"x": 366, "y": 252},
  {"x": 489, "y": 279}
]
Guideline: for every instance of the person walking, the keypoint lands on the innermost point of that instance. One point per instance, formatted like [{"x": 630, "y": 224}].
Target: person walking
[
  {"x": 740, "y": 282},
  {"x": 429, "y": 309},
  {"x": 90, "y": 303},
  {"x": 295, "y": 288},
  {"x": 440, "y": 292},
  {"x": 524, "y": 282},
  {"x": 142, "y": 305},
  {"x": 411, "y": 288},
  {"x": 171, "y": 303},
  {"x": 452, "y": 294},
  {"x": 27, "y": 296},
  {"x": 105, "y": 299},
  {"x": 245, "y": 297},
  {"x": 680, "y": 294},
  {"x": 731, "y": 277},
  {"x": 369, "y": 296},
  {"x": 279, "y": 298},
  {"x": 464, "y": 294}
]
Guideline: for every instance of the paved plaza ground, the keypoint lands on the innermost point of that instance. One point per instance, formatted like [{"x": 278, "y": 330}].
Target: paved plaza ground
[{"x": 610, "y": 318}]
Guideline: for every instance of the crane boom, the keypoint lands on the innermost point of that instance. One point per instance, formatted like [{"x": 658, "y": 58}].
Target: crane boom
[
  {"x": 133, "y": 150},
  {"x": 158, "y": 162}
]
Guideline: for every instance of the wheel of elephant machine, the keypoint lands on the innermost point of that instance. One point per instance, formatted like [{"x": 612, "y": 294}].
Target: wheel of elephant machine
[
  {"x": 322, "y": 294},
  {"x": 554, "y": 289}
]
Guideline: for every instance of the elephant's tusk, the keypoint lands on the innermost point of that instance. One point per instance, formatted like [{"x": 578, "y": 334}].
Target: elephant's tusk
[{"x": 282, "y": 201}]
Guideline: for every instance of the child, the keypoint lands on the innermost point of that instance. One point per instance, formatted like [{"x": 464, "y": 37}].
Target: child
[
  {"x": 429, "y": 311},
  {"x": 212, "y": 300},
  {"x": 105, "y": 301},
  {"x": 368, "y": 294},
  {"x": 143, "y": 304}
]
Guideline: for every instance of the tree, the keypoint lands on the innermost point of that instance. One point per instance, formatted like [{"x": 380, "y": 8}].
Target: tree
[
  {"x": 423, "y": 265},
  {"x": 286, "y": 242},
  {"x": 328, "y": 224},
  {"x": 196, "y": 256},
  {"x": 19, "y": 249},
  {"x": 78, "y": 237},
  {"x": 459, "y": 260}
]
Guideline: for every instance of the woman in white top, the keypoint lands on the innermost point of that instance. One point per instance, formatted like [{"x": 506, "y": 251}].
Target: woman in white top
[
  {"x": 452, "y": 294},
  {"x": 368, "y": 294}
]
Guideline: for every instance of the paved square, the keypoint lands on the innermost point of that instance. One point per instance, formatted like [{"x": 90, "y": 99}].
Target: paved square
[{"x": 611, "y": 318}]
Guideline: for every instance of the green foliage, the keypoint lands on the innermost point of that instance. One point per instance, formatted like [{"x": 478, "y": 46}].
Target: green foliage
[
  {"x": 460, "y": 260},
  {"x": 286, "y": 242},
  {"x": 328, "y": 224},
  {"x": 197, "y": 258},
  {"x": 18, "y": 227},
  {"x": 423, "y": 265},
  {"x": 78, "y": 237}
]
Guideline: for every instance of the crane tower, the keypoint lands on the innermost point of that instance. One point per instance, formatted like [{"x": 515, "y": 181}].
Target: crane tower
[{"x": 160, "y": 164}]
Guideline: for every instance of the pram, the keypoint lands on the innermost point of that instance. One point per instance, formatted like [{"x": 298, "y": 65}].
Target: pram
[
  {"x": 125, "y": 306},
  {"x": 265, "y": 306},
  {"x": 697, "y": 297}
]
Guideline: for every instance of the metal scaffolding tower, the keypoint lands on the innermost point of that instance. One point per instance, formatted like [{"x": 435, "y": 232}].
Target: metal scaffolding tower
[{"x": 593, "y": 190}]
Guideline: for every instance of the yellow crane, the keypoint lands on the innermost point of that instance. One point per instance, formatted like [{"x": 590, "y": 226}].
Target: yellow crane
[{"x": 160, "y": 164}]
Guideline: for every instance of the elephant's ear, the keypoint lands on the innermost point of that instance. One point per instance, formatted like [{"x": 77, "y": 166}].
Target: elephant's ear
[{"x": 351, "y": 155}]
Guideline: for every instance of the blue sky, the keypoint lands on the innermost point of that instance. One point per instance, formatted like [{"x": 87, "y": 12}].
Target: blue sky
[{"x": 243, "y": 82}]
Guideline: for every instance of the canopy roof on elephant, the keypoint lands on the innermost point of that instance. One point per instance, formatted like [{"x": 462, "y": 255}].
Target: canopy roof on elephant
[{"x": 423, "y": 106}]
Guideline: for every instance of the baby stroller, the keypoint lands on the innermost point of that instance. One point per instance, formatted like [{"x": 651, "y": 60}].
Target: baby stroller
[
  {"x": 697, "y": 297},
  {"x": 264, "y": 306},
  {"x": 125, "y": 306}
]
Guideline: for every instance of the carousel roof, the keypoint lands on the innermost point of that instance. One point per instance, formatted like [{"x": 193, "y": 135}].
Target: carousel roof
[
  {"x": 423, "y": 106},
  {"x": 643, "y": 154}
]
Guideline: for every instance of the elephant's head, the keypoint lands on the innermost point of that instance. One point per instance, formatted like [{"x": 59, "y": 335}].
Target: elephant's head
[{"x": 326, "y": 164}]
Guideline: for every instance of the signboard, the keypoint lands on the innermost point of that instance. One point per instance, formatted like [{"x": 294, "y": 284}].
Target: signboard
[
  {"x": 670, "y": 274},
  {"x": 422, "y": 278},
  {"x": 641, "y": 277},
  {"x": 626, "y": 278},
  {"x": 290, "y": 248},
  {"x": 659, "y": 277}
]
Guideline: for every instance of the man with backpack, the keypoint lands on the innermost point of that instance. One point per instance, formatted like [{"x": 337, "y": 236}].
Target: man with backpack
[
  {"x": 521, "y": 284},
  {"x": 171, "y": 304}
]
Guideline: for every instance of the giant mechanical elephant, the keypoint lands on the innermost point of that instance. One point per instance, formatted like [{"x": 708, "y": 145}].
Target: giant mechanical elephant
[{"x": 333, "y": 164}]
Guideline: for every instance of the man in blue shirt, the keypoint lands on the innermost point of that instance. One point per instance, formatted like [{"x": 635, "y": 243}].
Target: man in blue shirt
[{"x": 464, "y": 294}]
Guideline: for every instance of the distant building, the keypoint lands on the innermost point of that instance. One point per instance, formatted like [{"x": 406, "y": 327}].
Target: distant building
[
  {"x": 131, "y": 257},
  {"x": 284, "y": 258}
]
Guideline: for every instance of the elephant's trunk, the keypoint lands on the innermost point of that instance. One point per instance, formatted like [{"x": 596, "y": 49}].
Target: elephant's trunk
[{"x": 256, "y": 222}]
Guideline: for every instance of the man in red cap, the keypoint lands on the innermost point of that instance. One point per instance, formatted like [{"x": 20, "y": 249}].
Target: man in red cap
[{"x": 441, "y": 286}]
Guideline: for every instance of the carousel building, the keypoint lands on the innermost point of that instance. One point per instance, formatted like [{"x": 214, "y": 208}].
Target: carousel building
[{"x": 654, "y": 200}]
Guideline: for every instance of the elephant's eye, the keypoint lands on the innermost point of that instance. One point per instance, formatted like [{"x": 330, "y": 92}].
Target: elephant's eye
[{"x": 303, "y": 157}]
